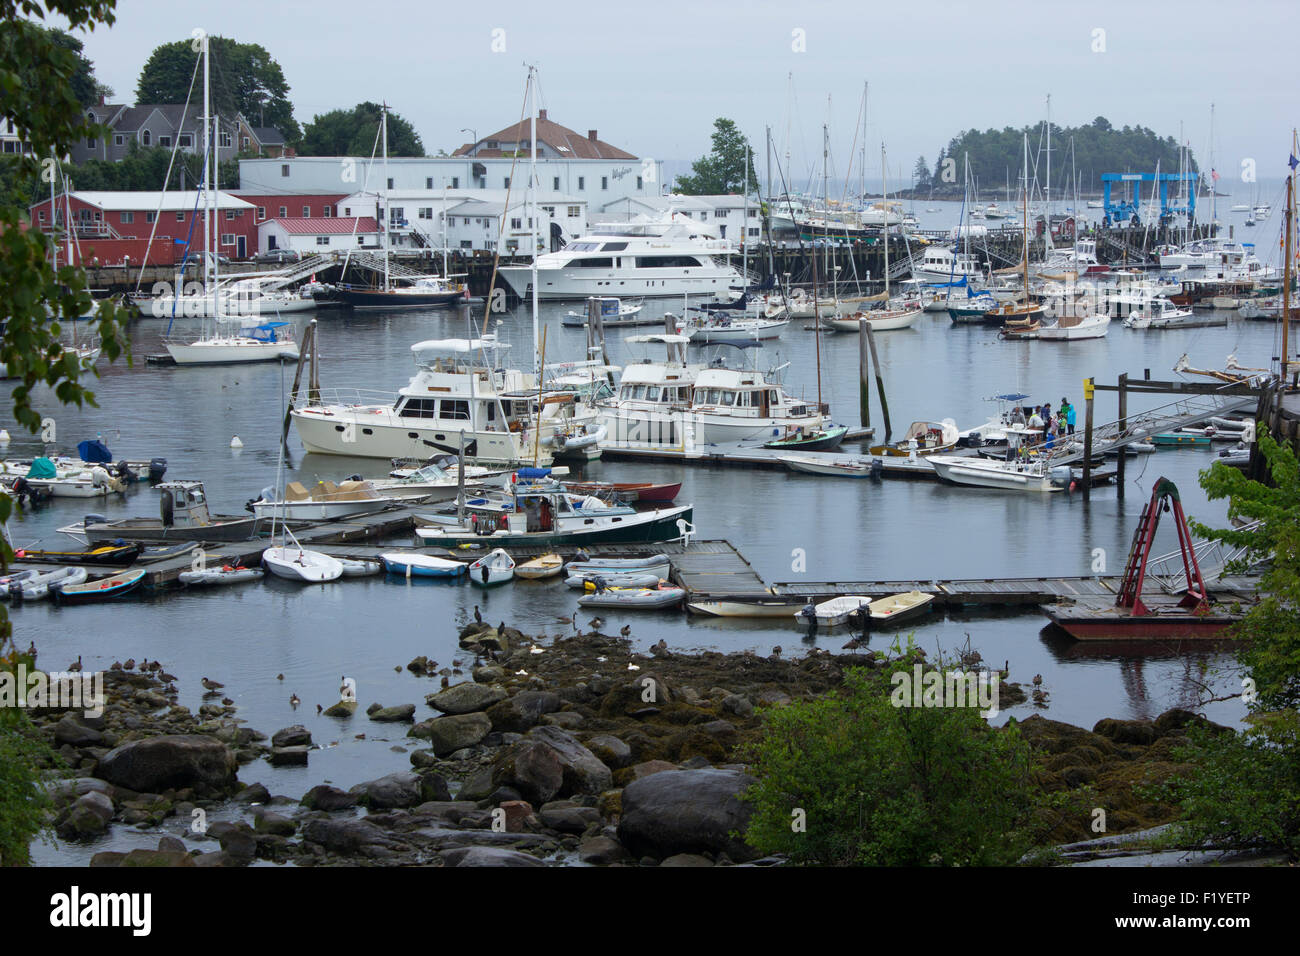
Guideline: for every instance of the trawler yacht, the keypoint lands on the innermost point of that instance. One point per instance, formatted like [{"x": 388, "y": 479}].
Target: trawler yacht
[
  {"x": 459, "y": 392},
  {"x": 651, "y": 258},
  {"x": 943, "y": 265},
  {"x": 675, "y": 405}
]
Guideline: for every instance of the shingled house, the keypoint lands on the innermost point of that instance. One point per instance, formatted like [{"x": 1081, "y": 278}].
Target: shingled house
[{"x": 167, "y": 124}]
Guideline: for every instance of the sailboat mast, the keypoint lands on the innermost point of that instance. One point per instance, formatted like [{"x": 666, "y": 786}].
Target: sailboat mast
[
  {"x": 1025, "y": 224},
  {"x": 1047, "y": 189},
  {"x": 207, "y": 185},
  {"x": 54, "y": 229},
  {"x": 884, "y": 199},
  {"x": 532, "y": 214},
  {"x": 388, "y": 225},
  {"x": 1289, "y": 225}
]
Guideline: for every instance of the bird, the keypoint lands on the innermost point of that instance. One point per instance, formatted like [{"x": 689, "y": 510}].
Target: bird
[
  {"x": 501, "y": 628},
  {"x": 597, "y": 622},
  {"x": 31, "y": 649},
  {"x": 319, "y": 708},
  {"x": 77, "y": 666},
  {"x": 534, "y": 649},
  {"x": 155, "y": 666},
  {"x": 446, "y": 682},
  {"x": 279, "y": 677},
  {"x": 117, "y": 666},
  {"x": 226, "y": 701},
  {"x": 853, "y": 643},
  {"x": 633, "y": 667},
  {"x": 295, "y": 700},
  {"x": 478, "y": 617},
  {"x": 776, "y": 651},
  {"x": 627, "y": 630},
  {"x": 211, "y": 684},
  {"x": 398, "y": 668},
  {"x": 129, "y": 665},
  {"x": 1038, "y": 680}
]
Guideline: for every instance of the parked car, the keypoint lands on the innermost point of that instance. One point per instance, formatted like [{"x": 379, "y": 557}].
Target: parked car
[{"x": 279, "y": 256}]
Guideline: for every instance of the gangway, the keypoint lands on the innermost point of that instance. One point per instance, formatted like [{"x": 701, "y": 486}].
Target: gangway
[
  {"x": 1167, "y": 569},
  {"x": 300, "y": 270},
  {"x": 368, "y": 260}
]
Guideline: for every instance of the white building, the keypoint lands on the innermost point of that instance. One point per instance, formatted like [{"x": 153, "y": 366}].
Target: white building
[
  {"x": 723, "y": 216},
  {"x": 312, "y": 236},
  {"x": 10, "y": 142}
]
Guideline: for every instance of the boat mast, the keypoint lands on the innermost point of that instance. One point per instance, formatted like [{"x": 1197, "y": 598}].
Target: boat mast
[
  {"x": 1025, "y": 225},
  {"x": 1288, "y": 225},
  {"x": 884, "y": 199},
  {"x": 388, "y": 225},
  {"x": 1047, "y": 189},
  {"x": 532, "y": 218},
  {"x": 207, "y": 185}
]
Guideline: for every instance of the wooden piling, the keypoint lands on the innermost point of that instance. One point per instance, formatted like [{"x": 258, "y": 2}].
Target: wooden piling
[
  {"x": 1123, "y": 424},
  {"x": 308, "y": 341},
  {"x": 1087, "y": 440},
  {"x": 880, "y": 380},
  {"x": 864, "y": 380}
]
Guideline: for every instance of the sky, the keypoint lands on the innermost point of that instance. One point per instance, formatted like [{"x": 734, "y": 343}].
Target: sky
[{"x": 652, "y": 77}]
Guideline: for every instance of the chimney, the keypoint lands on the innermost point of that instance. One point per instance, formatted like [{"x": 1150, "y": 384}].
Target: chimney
[
  {"x": 541, "y": 114},
  {"x": 591, "y": 135}
]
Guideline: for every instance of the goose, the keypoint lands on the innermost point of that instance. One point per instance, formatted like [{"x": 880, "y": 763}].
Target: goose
[
  {"x": 75, "y": 667},
  {"x": 211, "y": 684},
  {"x": 319, "y": 708},
  {"x": 853, "y": 644},
  {"x": 31, "y": 649},
  {"x": 1038, "y": 680},
  {"x": 129, "y": 665},
  {"x": 534, "y": 649},
  {"x": 776, "y": 651},
  {"x": 627, "y": 630},
  {"x": 597, "y": 622},
  {"x": 279, "y": 677}
]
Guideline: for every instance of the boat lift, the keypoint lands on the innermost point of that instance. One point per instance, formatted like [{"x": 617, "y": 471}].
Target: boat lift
[
  {"x": 1164, "y": 497},
  {"x": 1128, "y": 207}
]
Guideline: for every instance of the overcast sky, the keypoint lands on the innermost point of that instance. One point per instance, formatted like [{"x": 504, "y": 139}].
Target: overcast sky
[{"x": 651, "y": 77}]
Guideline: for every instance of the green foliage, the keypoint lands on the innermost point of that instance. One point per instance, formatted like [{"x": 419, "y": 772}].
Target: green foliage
[
  {"x": 354, "y": 133},
  {"x": 1098, "y": 148},
  {"x": 245, "y": 79},
  {"x": 889, "y": 786},
  {"x": 921, "y": 173},
  {"x": 1271, "y": 629},
  {"x": 723, "y": 171},
  {"x": 145, "y": 168}
]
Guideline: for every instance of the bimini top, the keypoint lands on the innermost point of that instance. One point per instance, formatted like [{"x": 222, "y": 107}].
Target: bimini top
[
  {"x": 459, "y": 346},
  {"x": 662, "y": 337}
]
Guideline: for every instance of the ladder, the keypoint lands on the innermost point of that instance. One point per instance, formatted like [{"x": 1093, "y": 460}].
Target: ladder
[{"x": 1164, "y": 497}]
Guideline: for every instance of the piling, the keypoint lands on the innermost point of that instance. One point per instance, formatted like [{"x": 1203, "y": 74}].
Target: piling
[
  {"x": 880, "y": 379},
  {"x": 1087, "y": 440},
  {"x": 1123, "y": 424},
  {"x": 864, "y": 381}
]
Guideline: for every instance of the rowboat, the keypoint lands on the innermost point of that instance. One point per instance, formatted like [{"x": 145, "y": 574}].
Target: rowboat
[
  {"x": 546, "y": 566},
  {"x": 228, "y": 574},
  {"x": 921, "y": 438},
  {"x": 495, "y": 567},
  {"x": 898, "y": 608},
  {"x": 624, "y": 579},
  {"x": 37, "y": 586},
  {"x": 629, "y": 491},
  {"x": 410, "y": 564},
  {"x": 821, "y": 439},
  {"x": 359, "y": 569},
  {"x": 629, "y": 598},
  {"x": 108, "y": 554},
  {"x": 104, "y": 589},
  {"x": 845, "y": 468},
  {"x": 735, "y": 607},
  {"x": 299, "y": 564},
  {"x": 584, "y": 565},
  {"x": 832, "y": 612}
]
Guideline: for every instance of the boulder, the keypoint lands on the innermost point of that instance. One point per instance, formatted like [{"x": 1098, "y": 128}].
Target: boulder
[
  {"x": 456, "y": 731},
  {"x": 253, "y": 793},
  {"x": 90, "y": 815},
  {"x": 601, "y": 851},
  {"x": 531, "y": 767},
  {"x": 295, "y": 756},
  {"x": 405, "y": 788},
  {"x": 649, "y": 767},
  {"x": 171, "y": 762},
  {"x": 344, "y": 708},
  {"x": 344, "y": 836},
  {"x": 396, "y": 714},
  {"x": 324, "y": 797},
  {"x": 518, "y": 814},
  {"x": 277, "y": 824},
  {"x": 295, "y": 736},
  {"x": 1126, "y": 731},
  {"x": 583, "y": 771},
  {"x": 610, "y": 751},
  {"x": 143, "y": 857},
  {"x": 488, "y": 673},
  {"x": 738, "y": 705},
  {"x": 689, "y": 811},
  {"x": 466, "y": 698},
  {"x": 523, "y": 711},
  {"x": 73, "y": 732},
  {"x": 567, "y": 816},
  {"x": 687, "y": 859},
  {"x": 488, "y": 856}
]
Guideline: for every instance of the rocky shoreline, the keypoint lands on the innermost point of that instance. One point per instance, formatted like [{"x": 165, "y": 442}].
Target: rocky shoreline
[{"x": 572, "y": 749}]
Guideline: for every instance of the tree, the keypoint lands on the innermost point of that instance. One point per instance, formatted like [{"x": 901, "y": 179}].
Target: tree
[
  {"x": 921, "y": 173},
  {"x": 245, "y": 79},
  {"x": 37, "y": 93},
  {"x": 883, "y": 785},
  {"x": 83, "y": 83},
  {"x": 723, "y": 171},
  {"x": 145, "y": 168},
  {"x": 353, "y": 133}
]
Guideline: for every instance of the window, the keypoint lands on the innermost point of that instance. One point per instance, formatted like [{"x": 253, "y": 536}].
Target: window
[
  {"x": 455, "y": 182},
  {"x": 604, "y": 182},
  {"x": 261, "y": 213},
  {"x": 230, "y": 215},
  {"x": 186, "y": 141},
  {"x": 284, "y": 169},
  {"x": 575, "y": 212},
  {"x": 244, "y": 142},
  {"x": 165, "y": 141},
  {"x": 284, "y": 212},
  {"x": 147, "y": 138},
  {"x": 119, "y": 139},
  {"x": 466, "y": 244},
  {"x": 753, "y": 231},
  {"x": 42, "y": 216},
  {"x": 492, "y": 144},
  {"x": 582, "y": 182},
  {"x": 228, "y": 239},
  {"x": 516, "y": 223},
  {"x": 150, "y": 216},
  {"x": 555, "y": 184},
  {"x": 306, "y": 212},
  {"x": 327, "y": 211},
  {"x": 180, "y": 215},
  {"x": 613, "y": 247},
  {"x": 598, "y": 263},
  {"x": 396, "y": 214},
  {"x": 666, "y": 262},
  {"x": 225, "y": 140},
  {"x": 454, "y": 409},
  {"x": 92, "y": 144},
  {"x": 322, "y": 240},
  {"x": 638, "y": 182},
  {"x": 428, "y": 182},
  {"x": 127, "y": 217},
  {"x": 506, "y": 181},
  {"x": 425, "y": 212},
  {"x": 390, "y": 182}
]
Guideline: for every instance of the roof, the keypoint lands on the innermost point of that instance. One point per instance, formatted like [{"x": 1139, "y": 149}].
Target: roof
[
  {"x": 147, "y": 201},
  {"x": 320, "y": 226},
  {"x": 563, "y": 140},
  {"x": 268, "y": 135}
]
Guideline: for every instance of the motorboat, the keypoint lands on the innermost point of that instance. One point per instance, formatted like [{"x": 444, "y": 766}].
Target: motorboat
[
  {"x": 841, "y": 466},
  {"x": 821, "y": 439},
  {"x": 756, "y": 607},
  {"x": 942, "y": 265},
  {"x": 899, "y": 608},
  {"x": 71, "y": 481},
  {"x": 613, "y": 579},
  {"x": 1037, "y": 475},
  {"x": 629, "y": 492},
  {"x": 435, "y": 480},
  {"x": 922, "y": 438},
  {"x": 618, "y": 314},
  {"x": 403, "y": 292},
  {"x": 241, "y": 298},
  {"x": 634, "y": 598},
  {"x": 226, "y": 574},
  {"x": 326, "y": 501},
  {"x": 831, "y": 613},
  {"x": 1159, "y": 313},
  {"x": 183, "y": 516},
  {"x": 495, "y": 567}
]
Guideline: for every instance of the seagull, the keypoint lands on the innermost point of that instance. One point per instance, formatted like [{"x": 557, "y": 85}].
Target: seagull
[
  {"x": 627, "y": 630},
  {"x": 534, "y": 649},
  {"x": 295, "y": 700},
  {"x": 521, "y": 673},
  {"x": 211, "y": 684},
  {"x": 633, "y": 667}
]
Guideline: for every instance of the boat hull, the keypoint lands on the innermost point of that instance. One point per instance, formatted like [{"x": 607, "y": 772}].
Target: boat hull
[
  {"x": 298, "y": 564},
  {"x": 226, "y": 352},
  {"x": 378, "y": 299},
  {"x": 1110, "y": 623},
  {"x": 324, "y": 433},
  {"x": 92, "y": 592},
  {"x": 659, "y": 525}
]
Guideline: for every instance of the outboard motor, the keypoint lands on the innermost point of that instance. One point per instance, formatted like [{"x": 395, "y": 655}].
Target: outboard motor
[
  {"x": 157, "y": 468},
  {"x": 122, "y": 471},
  {"x": 1061, "y": 476},
  {"x": 877, "y": 469},
  {"x": 92, "y": 519}
]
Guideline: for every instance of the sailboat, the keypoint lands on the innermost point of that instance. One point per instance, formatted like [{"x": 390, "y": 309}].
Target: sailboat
[
  {"x": 1025, "y": 316},
  {"x": 421, "y": 292},
  {"x": 268, "y": 342}
]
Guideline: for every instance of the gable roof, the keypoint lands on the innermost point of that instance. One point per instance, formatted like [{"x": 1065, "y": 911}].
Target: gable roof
[
  {"x": 563, "y": 140},
  {"x": 321, "y": 226}
]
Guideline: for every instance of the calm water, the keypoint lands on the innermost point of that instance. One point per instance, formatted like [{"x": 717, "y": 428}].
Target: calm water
[{"x": 366, "y": 628}]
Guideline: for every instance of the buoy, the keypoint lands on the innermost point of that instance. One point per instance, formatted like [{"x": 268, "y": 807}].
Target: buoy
[
  {"x": 4, "y": 436},
  {"x": 236, "y": 443}
]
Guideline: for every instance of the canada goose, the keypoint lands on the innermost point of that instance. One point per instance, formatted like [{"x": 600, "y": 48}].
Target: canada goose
[
  {"x": 446, "y": 682},
  {"x": 31, "y": 649},
  {"x": 319, "y": 708},
  {"x": 597, "y": 622},
  {"x": 129, "y": 665},
  {"x": 211, "y": 684},
  {"x": 77, "y": 666},
  {"x": 776, "y": 651},
  {"x": 627, "y": 630},
  {"x": 279, "y": 677},
  {"x": 1038, "y": 680},
  {"x": 398, "y": 668},
  {"x": 852, "y": 644},
  {"x": 295, "y": 700}
]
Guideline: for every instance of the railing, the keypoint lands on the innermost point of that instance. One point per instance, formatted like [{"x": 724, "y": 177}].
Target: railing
[
  {"x": 353, "y": 396},
  {"x": 1212, "y": 557},
  {"x": 300, "y": 270}
]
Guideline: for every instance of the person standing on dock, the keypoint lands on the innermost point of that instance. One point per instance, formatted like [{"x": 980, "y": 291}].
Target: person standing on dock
[{"x": 1067, "y": 413}]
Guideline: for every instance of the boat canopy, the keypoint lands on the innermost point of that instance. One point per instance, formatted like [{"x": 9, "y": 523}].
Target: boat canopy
[
  {"x": 458, "y": 346},
  {"x": 661, "y": 337},
  {"x": 42, "y": 468},
  {"x": 94, "y": 452}
]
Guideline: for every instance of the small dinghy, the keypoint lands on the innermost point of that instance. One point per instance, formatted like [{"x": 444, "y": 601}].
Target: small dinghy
[
  {"x": 897, "y": 608},
  {"x": 833, "y": 612},
  {"x": 104, "y": 589},
  {"x": 37, "y": 586},
  {"x": 546, "y": 566},
  {"x": 654, "y": 564},
  {"x": 119, "y": 554},
  {"x": 299, "y": 564},
  {"x": 630, "y": 579},
  {"x": 414, "y": 565},
  {"x": 495, "y": 567},
  {"x": 229, "y": 574},
  {"x": 821, "y": 439},
  {"x": 359, "y": 569},
  {"x": 153, "y": 554},
  {"x": 634, "y": 598}
]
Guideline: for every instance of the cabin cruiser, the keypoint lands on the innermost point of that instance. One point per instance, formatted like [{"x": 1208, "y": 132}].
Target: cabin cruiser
[
  {"x": 459, "y": 393},
  {"x": 651, "y": 258},
  {"x": 1159, "y": 313},
  {"x": 943, "y": 265},
  {"x": 1219, "y": 259},
  {"x": 676, "y": 405}
]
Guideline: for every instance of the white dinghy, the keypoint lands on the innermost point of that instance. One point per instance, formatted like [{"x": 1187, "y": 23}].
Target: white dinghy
[{"x": 495, "y": 567}]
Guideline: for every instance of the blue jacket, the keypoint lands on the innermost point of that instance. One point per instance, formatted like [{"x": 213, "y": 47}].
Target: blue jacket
[{"x": 1069, "y": 415}]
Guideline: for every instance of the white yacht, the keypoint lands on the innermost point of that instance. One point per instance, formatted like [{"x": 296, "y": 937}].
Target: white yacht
[
  {"x": 1159, "y": 313},
  {"x": 269, "y": 342},
  {"x": 1219, "y": 259},
  {"x": 651, "y": 258},
  {"x": 459, "y": 389},
  {"x": 673, "y": 405},
  {"x": 245, "y": 297},
  {"x": 943, "y": 265}
]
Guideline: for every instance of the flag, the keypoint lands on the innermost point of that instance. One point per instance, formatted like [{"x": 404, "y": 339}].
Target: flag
[
  {"x": 1293, "y": 162},
  {"x": 1214, "y": 175}
]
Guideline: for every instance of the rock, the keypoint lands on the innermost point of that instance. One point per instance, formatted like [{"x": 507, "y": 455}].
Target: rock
[
  {"x": 402, "y": 789},
  {"x": 583, "y": 771},
  {"x": 344, "y": 708},
  {"x": 324, "y": 797},
  {"x": 649, "y": 767},
  {"x": 772, "y": 697},
  {"x": 488, "y": 856},
  {"x": 687, "y": 859},
  {"x": 277, "y": 824},
  {"x": 488, "y": 674},
  {"x": 610, "y": 751},
  {"x": 71, "y": 731},
  {"x": 568, "y": 719},
  {"x": 466, "y": 698},
  {"x": 295, "y": 736},
  {"x": 155, "y": 764},
  {"x": 722, "y": 730},
  {"x": 690, "y": 811},
  {"x": 419, "y": 665},
  {"x": 1126, "y": 731},
  {"x": 90, "y": 815},
  {"x": 423, "y": 759},
  {"x": 523, "y": 711},
  {"x": 567, "y": 816},
  {"x": 393, "y": 715},
  {"x": 142, "y": 857},
  {"x": 601, "y": 851},
  {"x": 533, "y": 768},
  {"x": 517, "y": 815},
  {"x": 345, "y": 836},
  {"x": 289, "y": 756},
  {"x": 478, "y": 787},
  {"x": 738, "y": 705},
  {"x": 171, "y": 844},
  {"x": 253, "y": 793},
  {"x": 237, "y": 842},
  {"x": 457, "y": 731}
]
